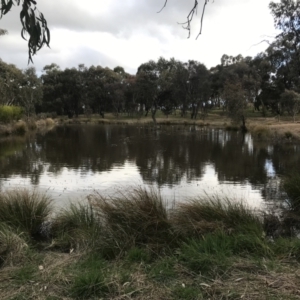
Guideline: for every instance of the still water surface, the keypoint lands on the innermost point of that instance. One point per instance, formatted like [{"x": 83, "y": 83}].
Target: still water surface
[{"x": 71, "y": 162}]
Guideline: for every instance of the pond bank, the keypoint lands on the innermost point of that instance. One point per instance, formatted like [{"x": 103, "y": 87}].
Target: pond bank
[{"x": 268, "y": 128}]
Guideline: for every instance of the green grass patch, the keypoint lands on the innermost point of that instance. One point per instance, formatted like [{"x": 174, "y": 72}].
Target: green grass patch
[
  {"x": 182, "y": 292},
  {"x": 24, "y": 274},
  {"x": 214, "y": 253},
  {"x": 162, "y": 270},
  {"x": 138, "y": 255},
  {"x": 90, "y": 278}
]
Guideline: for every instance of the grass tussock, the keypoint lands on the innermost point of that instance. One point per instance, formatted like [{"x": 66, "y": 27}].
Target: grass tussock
[
  {"x": 77, "y": 227},
  {"x": 200, "y": 216},
  {"x": 138, "y": 218},
  {"x": 25, "y": 211},
  {"x": 12, "y": 246}
]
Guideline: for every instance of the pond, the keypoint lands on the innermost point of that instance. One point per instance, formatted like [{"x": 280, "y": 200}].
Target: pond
[{"x": 71, "y": 162}]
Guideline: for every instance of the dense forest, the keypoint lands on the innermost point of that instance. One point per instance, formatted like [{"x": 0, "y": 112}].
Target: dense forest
[{"x": 269, "y": 81}]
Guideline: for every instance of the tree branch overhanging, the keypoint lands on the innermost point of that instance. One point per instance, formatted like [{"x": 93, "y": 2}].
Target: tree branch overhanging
[
  {"x": 190, "y": 16},
  {"x": 33, "y": 23}
]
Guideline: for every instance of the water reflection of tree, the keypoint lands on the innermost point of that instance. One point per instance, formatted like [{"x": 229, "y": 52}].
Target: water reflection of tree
[
  {"x": 164, "y": 156},
  {"x": 20, "y": 157}
]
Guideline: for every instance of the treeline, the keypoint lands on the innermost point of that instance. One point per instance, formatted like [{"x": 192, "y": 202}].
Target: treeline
[{"x": 269, "y": 81}]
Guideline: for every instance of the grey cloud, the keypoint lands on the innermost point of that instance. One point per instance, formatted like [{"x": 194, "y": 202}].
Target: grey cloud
[{"x": 119, "y": 19}]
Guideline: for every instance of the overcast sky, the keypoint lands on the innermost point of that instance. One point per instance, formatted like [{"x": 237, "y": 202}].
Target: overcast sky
[{"x": 130, "y": 32}]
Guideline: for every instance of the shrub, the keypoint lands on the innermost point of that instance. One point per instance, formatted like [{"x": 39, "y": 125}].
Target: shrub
[
  {"x": 49, "y": 122},
  {"x": 25, "y": 211},
  {"x": 10, "y": 113},
  {"x": 31, "y": 124},
  {"x": 20, "y": 128}
]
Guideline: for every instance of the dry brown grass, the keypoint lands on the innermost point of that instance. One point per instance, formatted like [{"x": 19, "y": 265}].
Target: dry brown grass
[
  {"x": 246, "y": 279},
  {"x": 49, "y": 122}
]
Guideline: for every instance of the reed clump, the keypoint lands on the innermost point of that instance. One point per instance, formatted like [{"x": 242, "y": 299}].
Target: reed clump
[
  {"x": 205, "y": 215},
  {"x": 13, "y": 246},
  {"x": 136, "y": 218},
  {"x": 76, "y": 227},
  {"x": 25, "y": 211}
]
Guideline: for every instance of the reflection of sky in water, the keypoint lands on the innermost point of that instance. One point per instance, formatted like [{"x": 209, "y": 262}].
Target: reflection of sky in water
[
  {"x": 209, "y": 185},
  {"x": 73, "y": 185},
  {"x": 269, "y": 168}
]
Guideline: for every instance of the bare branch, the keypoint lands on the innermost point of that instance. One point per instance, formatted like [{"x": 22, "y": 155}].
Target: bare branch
[
  {"x": 201, "y": 24},
  {"x": 263, "y": 41},
  {"x": 163, "y": 7},
  {"x": 190, "y": 16}
]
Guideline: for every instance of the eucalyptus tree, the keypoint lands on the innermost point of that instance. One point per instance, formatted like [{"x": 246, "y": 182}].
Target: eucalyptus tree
[
  {"x": 181, "y": 87},
  {"x": 236, "y": 103},
  {"x": 286, "y": 47},
  {"x": 147, "y": 87},
  {"x": 281, "y": 61},
  {"x": 71, "y": 90},
  {"x": 199, "y": 88},
  {"x": 31, "y": 91},
  {"x": 96, "y": 93},
  {"x": 113, "y": 84},
  {"x": 166, "y": 71},
  {"x": 10, "y": 81},
  {"x": 52, "y": 89},
  {"x": 132, "y": 106},
  {"x": 290, "y": 101}
]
